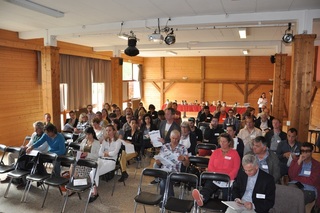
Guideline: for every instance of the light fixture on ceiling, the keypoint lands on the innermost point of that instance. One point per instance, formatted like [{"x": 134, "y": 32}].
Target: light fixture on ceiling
[
  {"x": 172, "y": 53},
  {"x": 245, "y": 52},
  {"x": 170, "y": 38},
  {"x": 37, "y": 7},
  {"x": 131, "y": 49},
  {"x": 288, "y": 35},
  {"x": 243, "y": 32}
]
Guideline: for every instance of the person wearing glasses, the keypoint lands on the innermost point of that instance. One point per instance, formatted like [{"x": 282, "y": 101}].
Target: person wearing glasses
[{"x": 304, "y": 173}]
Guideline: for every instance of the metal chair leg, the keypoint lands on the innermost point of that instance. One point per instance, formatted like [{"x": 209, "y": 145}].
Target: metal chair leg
[
  {"x": 26, "y": 191},
  {"x": 9, "y": 184},
  {"x": 45, "y": 196},
  {"x": 85, "y": 209},
  {"x": 135, "y": 207},
  {"x": 65, "y": 202}
]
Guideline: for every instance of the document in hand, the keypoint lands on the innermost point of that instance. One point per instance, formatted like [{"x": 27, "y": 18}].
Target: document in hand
[
  {"x": 154, "y": 137},
  {"x": 234, "y": 205},
  {"x": 167, "y": 158}
]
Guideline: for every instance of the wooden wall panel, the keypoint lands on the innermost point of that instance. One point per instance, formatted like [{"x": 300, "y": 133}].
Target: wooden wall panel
[
  {"x": 22, "y": 105},
  {"x": 260, "y": 68},
  {"x": 183, "y": 91},
  {"x": 176, "y": 68},
  {"x": 151, "y": 95},
  {"x": 225, "y": 68},
  {"x": 211, "y": 92},
  {"x": 231, "y": 94},
  {"x": 151, "y": 68}
]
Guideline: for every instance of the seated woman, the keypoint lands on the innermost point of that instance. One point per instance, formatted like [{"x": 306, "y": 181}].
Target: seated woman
[
  {"x": 133, "y": 137},
  {"x": 81, "y": 126},
  {"x": 100, "y": 131},
  {"x": 71, "y": 122},
  {"x": 224, "y": 160},
  {"x": 116, "y": 124},
  {"x": 89, "y": 148},
  {"x": 188, "y": 139},
  {"x": 146, "y": 127},
  {"x": 105, "y": 116},
  {"x": 108, "y": 154}
]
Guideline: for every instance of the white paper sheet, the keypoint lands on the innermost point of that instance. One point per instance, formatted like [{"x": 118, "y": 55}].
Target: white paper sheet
[
  {"x": 80, "y": 182},
  {"x": 167, "y": 159},
  {"x": 154, "y": 137},
  {"x": 234, "y": 205},
  {"x": 33, "y": 152},
  {"x": 129, "y": 147}
]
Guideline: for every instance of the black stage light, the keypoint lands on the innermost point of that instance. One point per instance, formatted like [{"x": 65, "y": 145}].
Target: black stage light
[
  {"x": 288, "y": 36},
  {"x": 131, "y": 49},
  {"x": 170, "y": 38}
]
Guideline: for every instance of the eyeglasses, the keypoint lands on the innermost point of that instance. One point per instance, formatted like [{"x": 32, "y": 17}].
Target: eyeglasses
[{"x": 305, "y": 151}]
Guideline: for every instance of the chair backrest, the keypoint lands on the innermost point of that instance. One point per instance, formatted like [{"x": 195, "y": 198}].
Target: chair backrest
[
  {"x": 183, "y": 177},
  {"x": 47, "y": 157},
  {"x": 13, "y": 149},
  {"x": 66, "y": 161},
  {"x": 3, "y": 150},
  {"x": 157, "y": 173},
  {"x": 206, "y": 146},
  {"x": 87, "y": 163},
  {"x": 199, "y": 161},
  {"x": 74, "y": 146},
  {"x": 213, "y": 176}
]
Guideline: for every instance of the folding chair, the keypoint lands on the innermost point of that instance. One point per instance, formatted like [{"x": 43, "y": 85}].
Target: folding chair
[
  {"x": 117, "y": 168},
  {"x": 199, "y": 161},
  {"x": 147, "y": 198},
  {"x": 18, "y": 173},
  {"x": 4, "y": 168},
  {"x": 56, "y": 181},
  {"x": 215, "y": 204},
  {"x": 36, "y": 177},
  {"x": 180, "y": 204},
  {"x": 81, "y": 188}
]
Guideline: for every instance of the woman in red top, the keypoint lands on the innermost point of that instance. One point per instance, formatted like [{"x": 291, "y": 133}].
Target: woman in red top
[{"x": 224, "y": 160}]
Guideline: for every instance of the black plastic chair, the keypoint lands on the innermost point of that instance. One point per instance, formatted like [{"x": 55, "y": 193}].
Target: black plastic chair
[
  {"x": 215, "y": 204},
  {"x": 81, "y": 188},
  {"x": 4, "y": 168},
  {"x": 36, "y": 177},
  {"x": 179, "y": 204},
  {"x": 57, "y": 181},
  {"x": 199, "y": 161},
  {"x": 18, "y": 173},
  {"x": 145, "y": 197}
]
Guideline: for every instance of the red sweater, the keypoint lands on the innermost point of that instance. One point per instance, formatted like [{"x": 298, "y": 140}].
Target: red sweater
[
  {"x": 228, "y": 164},
  {"x": 313, "y": 179}
]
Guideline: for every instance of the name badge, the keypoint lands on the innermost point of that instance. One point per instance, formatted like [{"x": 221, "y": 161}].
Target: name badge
[
  {"x": 227, "y": 157},
  {"x": 265, "y": 167},
  {"x": 216, "y": 134},
  {"x": 129, "y": 138},
  {"x": 278, "y": 141},
  {"x": 208, "y": 118},
  {"x": 261, "y": 196},
  {"x": 307, "y": 173},
  {"x": 252, "y": 136},
  {"x": 223, "y": 119}
]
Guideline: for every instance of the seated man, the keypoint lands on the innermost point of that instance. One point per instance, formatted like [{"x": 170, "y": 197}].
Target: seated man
[
  {"x": 211, "y": 135},
  {"x": 288, "y": 150},
  {"x": 275, "y": 136},
  {"x": 253, "y": 188},
  {"x": 263, "y": 124},
  {"x": 304, "y": 174},
  {"x": 231, "y": 120},
  {"x": 268, "y": 160},
  {"x": 248, "y": 134},
  {"x": 182, "y": 158},
  {"x": 206, "y": 116},
  {"x": 195, "y": 130}
]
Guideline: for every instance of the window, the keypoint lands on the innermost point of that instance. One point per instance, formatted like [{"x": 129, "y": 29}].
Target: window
[
  {"x": 127, "y": 71},
  {"x": 131, "y": 81},
  {"x": 97, "y": 96},
  {"x": 63, "y": 96}
]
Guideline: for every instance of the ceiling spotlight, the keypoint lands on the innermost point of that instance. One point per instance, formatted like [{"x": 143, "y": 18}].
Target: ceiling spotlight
[
  {"x": 243, "y": 32},
  {"x": 170, "y": 38},
  {"x": 131, "y": 49},
  {"x": 288, "y": 35}
]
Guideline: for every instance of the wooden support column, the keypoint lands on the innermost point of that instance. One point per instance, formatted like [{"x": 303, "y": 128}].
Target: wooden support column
[
  {"x": 162, "y": 76},
  {"x": 202, "y": 85},
  {"x": 303, "y": 56},
  {"x": 50, "y": 80},
  {"x": 246, "y": 93},
  {"x": 279, "y": 79},
  {"x": 116, "y": 81}
]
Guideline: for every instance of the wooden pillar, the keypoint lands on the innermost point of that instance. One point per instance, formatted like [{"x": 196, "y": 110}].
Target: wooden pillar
[
  {"x": 162, "y": 76},
  {"x": 116, "y": 81},
  {"x": 246, "y": 85},
  {"x": 302, "y": 74},
  {"x": 50, "y": 79},
  {"x": 202, "y": 85},
  {"x": 279, "y": 79}
]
